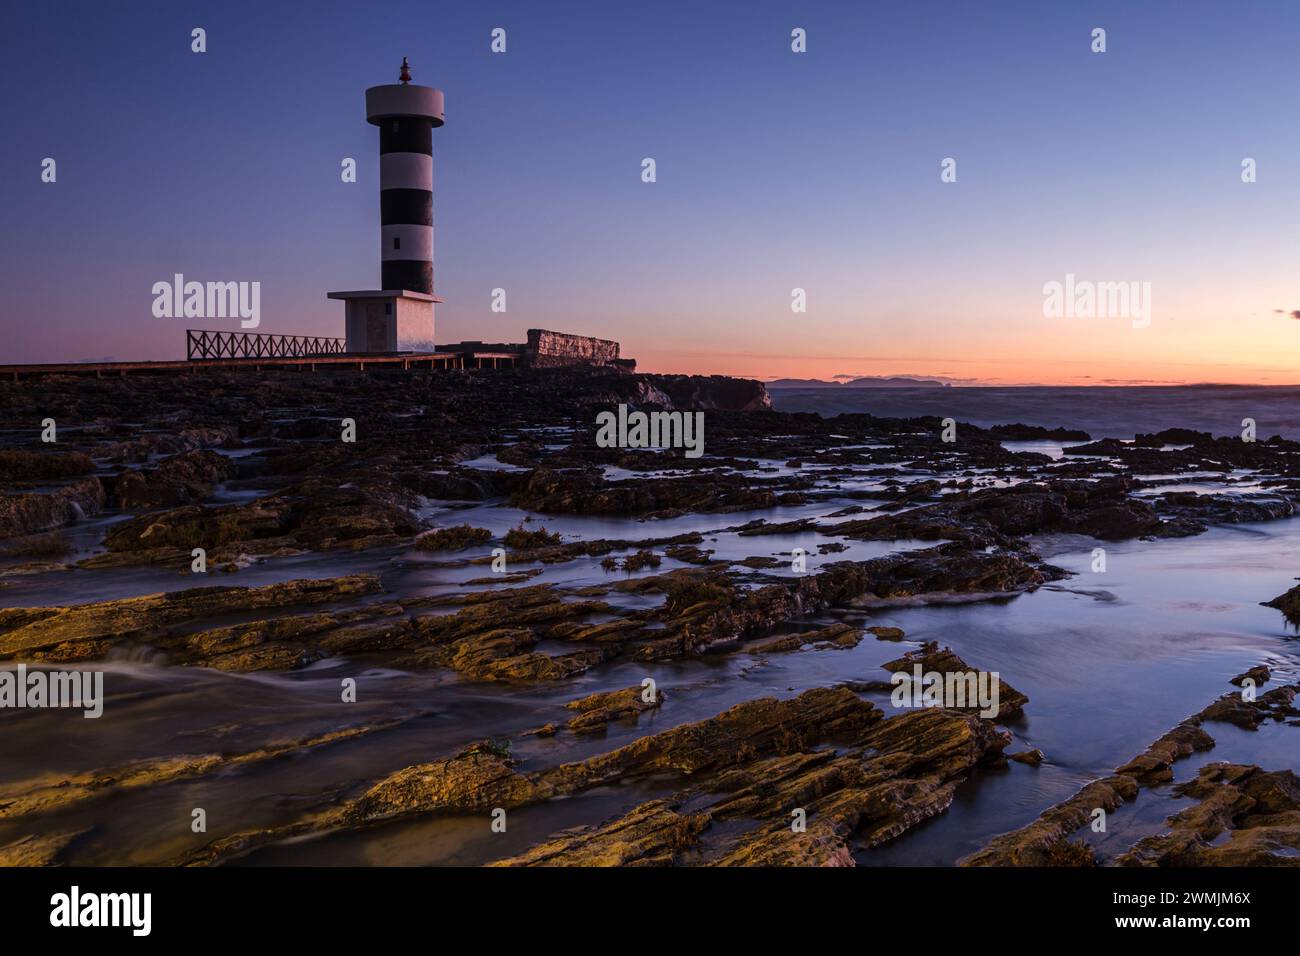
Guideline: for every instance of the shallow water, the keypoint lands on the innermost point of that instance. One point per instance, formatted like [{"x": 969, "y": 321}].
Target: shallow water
[{"x": 1109, "y": 660}]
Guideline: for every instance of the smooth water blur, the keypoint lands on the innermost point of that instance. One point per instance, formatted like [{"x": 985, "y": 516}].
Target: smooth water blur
[{"x": 1109, "y": 661}]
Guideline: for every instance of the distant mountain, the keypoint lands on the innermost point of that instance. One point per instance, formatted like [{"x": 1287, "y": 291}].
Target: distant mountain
[
  {"x": 896, "y": 381},
  {"x": 800, "y": 383}
]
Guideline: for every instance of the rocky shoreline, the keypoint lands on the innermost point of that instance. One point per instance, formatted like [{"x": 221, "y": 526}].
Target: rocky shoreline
[{"x": 316, "y": 549}]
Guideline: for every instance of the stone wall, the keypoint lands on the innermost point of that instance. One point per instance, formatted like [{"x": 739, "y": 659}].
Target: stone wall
[{"x": 548, "y": 349}]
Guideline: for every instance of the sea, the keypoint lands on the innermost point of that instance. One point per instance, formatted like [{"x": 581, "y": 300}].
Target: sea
[{"x": 1119, "y": 411}]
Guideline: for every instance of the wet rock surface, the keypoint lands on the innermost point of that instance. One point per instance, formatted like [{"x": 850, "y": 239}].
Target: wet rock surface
[
  {"x": 1254, "y": 810},
  {"x": 930, "y": 659},
  {"x": 1244, "y": 816},
  {"x": 474, "y": 544},
  {"x": 748, "y": 767}
]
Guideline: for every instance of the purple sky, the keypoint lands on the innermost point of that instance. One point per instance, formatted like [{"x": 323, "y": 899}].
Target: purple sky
[{"x": 776, "y": 171}]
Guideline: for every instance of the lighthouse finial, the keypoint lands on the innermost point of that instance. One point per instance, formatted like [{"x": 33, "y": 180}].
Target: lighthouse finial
[{"x": 406, "y": 71}]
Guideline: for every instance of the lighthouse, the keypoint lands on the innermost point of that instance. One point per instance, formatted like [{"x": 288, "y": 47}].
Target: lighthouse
[{"x": 398, "y": 317}]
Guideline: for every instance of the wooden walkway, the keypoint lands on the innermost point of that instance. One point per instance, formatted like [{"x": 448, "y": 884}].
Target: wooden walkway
[{"x": 358, "y": 361}]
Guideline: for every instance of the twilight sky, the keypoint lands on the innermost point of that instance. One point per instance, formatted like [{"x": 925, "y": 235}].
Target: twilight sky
[{"x": 775, "y": 170}]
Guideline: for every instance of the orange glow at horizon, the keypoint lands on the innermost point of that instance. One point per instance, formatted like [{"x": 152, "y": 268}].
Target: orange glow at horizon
[
  {"x": 968, "y": 370},
  {"x": 1198, "y": 335}
]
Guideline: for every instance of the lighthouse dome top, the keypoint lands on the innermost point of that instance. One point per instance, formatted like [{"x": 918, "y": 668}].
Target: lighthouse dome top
[{"x": 404, "y": 99}]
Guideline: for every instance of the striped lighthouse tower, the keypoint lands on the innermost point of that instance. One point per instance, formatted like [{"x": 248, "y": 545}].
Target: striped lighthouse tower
[
  {"x": 406, "y": 116},
  {"x": 399, "y": 315}
]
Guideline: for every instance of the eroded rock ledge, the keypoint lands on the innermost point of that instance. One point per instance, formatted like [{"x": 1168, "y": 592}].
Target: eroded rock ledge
[
  {"x": 1227, "y": 794},
  {"x": 858, "y": 778}
]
